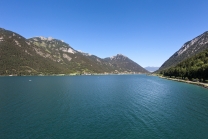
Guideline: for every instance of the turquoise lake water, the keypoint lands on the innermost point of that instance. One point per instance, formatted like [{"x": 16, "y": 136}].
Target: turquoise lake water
[{"x": 103, "y": 107}]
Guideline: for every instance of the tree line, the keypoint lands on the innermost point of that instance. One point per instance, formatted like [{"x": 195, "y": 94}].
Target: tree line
[{"x": 194, "y": 68}]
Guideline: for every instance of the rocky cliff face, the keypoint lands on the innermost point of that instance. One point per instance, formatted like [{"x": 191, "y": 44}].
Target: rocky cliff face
[{"x": 188, "y": 50}]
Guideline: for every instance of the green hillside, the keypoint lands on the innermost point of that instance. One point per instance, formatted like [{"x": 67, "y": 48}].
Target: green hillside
[
  {"x": 19, "y": 57},
  {"x": 189, "y": 49},
  {"x": 48, "y": 56},
  {"x": 195, "y": 67}
]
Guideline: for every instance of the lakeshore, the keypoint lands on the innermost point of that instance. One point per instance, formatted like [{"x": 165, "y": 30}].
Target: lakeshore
[
  {"x": 78, "y": 74},
  {"x": 205, "y": 85}
]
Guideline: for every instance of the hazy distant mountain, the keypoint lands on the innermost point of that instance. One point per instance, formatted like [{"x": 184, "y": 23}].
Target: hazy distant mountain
[
  {"x": 188, "y": 50},
  {"x": 151, "y": 69},
  {"x": 40, "y": 55}
]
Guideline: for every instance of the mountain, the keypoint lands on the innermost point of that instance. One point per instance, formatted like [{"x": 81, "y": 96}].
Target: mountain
[
  {"x": 188, "y": 50},
  {"x": 19, "y": 56},
  {"x": 123, "y": 63},
  {"x": 64, "y": 54},
  {"x": 152, "y": 69},
  {"x": 193, "y": 68},
  {"x": 47, "y": 56}
]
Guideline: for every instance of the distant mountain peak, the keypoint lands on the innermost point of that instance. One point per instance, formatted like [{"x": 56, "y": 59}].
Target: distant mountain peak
[
  {"x": 45, "y": 38},
  {"x": 123, "y": 63},
  {"x": 42, "y": 38},
  {"x": 118, "y": 56},
  {"x": 151, "y": 68}
]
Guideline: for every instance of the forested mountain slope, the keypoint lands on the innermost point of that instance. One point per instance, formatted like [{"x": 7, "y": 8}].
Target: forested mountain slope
[
  {"x": 188, "y": 50},
  {"x": 47, "y": 56},
  {"x": 194, "y": 67}
]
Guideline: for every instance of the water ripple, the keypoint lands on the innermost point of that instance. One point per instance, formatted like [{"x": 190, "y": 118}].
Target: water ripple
[{"x": 133, "y": 106}]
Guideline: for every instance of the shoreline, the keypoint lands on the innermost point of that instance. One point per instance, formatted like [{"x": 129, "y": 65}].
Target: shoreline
[
  {"x": 72, "y": 75},
  {"x": 205, "y": 85}
]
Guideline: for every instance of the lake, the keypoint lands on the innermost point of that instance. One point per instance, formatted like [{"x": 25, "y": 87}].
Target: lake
[{"x": 104, "y": 107}]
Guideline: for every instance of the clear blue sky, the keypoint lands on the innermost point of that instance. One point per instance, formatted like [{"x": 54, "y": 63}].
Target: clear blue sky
[{"x": 147, "y": 31}]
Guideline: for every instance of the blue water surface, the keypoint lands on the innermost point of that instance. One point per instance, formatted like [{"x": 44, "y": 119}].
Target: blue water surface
[{"x": 104, "y": 107}]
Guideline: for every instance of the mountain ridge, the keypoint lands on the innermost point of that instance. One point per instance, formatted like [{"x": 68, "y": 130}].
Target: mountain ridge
[
  {"x": 189, "y": 49},
  {"x": 124, "y": 62},
  {"x": 46, "y": 55}
]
